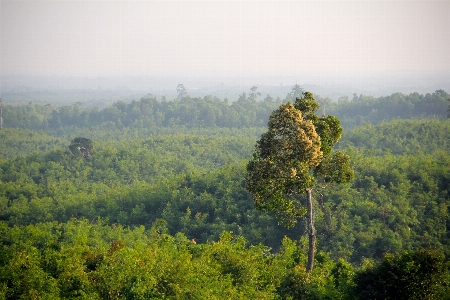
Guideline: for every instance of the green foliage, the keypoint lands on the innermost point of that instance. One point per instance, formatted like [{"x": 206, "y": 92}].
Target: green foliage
[
  {"x": 207, "y": 112},
  {"x": 16, "y": 142},
  {"x": 281, "y": 163},
  {"x": 335, "y": 168},
  {"x": 400, "y": 137},
  {"x": 81, "y": 147},
  {"x": 288, "y": 157},
  {"x": 329, "y": 280},
  {"x": 147, "y": 112},
  {"x": 137, "y": 182},
  {"x": 150, "y": 214},
  {"x": 448, "y": 110},
  {"x": 367, "y": 109},
  {"x": 79, "y": 259},
  {"x": 418, "y": 274},
  {"x": 397, "y": 201}
]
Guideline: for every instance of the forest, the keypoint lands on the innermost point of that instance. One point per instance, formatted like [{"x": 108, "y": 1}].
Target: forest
[{"x": 147, "y": 199}]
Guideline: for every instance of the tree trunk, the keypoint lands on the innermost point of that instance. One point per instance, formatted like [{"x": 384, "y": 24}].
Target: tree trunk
[{"x": 311, "y": 234}]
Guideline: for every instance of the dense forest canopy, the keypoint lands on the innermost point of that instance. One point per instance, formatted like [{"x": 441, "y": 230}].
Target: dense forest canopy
[
  {"x": 247, "y": 111},
  {"x": 159, "y": 209}
]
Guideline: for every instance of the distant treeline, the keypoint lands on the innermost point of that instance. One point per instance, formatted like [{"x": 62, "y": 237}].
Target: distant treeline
[
  {"x": 207, "y": 112},
  {"x": 367, "y": 109}
]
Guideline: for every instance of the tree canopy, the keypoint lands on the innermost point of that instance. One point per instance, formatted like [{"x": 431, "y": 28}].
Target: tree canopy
[
  {"x": 294, "y": 153},
  {"x": 150, "y": 214},
  {"x": 81, "y": 146}
]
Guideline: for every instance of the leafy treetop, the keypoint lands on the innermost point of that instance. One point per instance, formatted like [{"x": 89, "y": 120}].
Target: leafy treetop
[
  {"x": 83, "y": 146},
  {"x": 292, "y": 155}
]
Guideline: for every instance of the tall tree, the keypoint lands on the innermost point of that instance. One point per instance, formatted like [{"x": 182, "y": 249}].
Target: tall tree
[
  {"x": 181, "y": 91},
  {"x": 293, "y": 157},
  {"x": 296, "y": 92},
  {"x": 448, "y": 110},
  {"x": 253, "y": 93}
]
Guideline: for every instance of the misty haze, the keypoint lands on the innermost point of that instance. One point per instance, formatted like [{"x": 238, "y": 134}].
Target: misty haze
[{"x": 336, "y": 47}]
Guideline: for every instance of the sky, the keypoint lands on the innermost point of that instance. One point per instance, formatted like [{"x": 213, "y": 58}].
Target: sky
[{"x": 302, "y": 40}]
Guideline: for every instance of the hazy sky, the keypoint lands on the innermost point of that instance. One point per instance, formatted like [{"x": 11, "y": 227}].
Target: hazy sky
[{"x": 224, "y": 38}]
